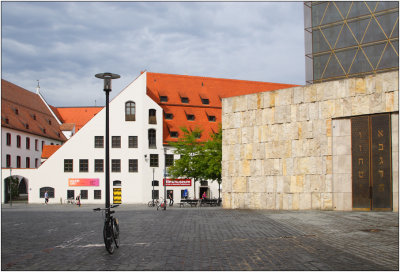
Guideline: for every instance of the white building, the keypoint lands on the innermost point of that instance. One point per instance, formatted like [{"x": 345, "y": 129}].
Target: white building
[
  {"x": 27, "y": 125},
  {"x": 144, "y": 118}
]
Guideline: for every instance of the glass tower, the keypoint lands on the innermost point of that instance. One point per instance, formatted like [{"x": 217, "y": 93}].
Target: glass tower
[{"x": 349, "y": 39}]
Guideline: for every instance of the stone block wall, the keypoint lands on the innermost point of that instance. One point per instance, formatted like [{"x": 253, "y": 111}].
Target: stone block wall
[{"x": 289, "y": 149}]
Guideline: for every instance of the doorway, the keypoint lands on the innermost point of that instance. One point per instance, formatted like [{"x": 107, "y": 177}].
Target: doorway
[
  {"x": 371, "y": 162},
  {"x": 204, "y": 190}
]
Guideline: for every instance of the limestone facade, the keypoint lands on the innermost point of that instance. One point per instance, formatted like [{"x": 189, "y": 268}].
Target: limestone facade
[{"x": 290, "y": 149}]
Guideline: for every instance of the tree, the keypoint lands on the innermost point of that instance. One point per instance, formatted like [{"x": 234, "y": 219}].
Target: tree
[
  {"x": 189, "y": 149},
  {"x": 198, "y": 160},
  {"x": 212, "y": 158}
]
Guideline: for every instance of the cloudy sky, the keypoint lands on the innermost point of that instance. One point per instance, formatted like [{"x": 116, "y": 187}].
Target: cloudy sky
[{"x": 64, "y": 44}]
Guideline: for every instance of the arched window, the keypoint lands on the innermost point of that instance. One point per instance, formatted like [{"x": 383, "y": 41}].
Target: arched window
[
  {"x": 50, "y": 191},
  {"x": 152, "y": 116},
  {"x": 130, "y": 111},
  {"x": 152, "y": 138},
  {"x": 117, "y": 183}
]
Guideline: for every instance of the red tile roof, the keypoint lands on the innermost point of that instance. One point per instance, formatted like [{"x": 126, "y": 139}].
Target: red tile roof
[
  {"x": 49, "y": 150},
  {"x": 196, "y": 88},
  {"x": 25, "y": 111},
  {"x": 76, "y": 115}
]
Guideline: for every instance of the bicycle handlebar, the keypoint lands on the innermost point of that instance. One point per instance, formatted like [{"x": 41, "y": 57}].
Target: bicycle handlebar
[{"x": 103, "y": 209}]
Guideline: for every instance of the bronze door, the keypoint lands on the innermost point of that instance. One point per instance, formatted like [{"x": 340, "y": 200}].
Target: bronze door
[{"x": 371, "y": 162}]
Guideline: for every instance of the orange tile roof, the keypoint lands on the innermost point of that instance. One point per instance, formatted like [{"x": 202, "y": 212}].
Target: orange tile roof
[
  {"x": 49, "y": 150},
  {"x": 196, "y": 88},
  {"x": 25, "y": 111},
  {"x": 76, "y": 115}
]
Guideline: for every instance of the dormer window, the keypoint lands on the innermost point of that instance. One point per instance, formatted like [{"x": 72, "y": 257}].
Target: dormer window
[
  {"x": 184, "y": 99},
  {"x": 205, "y": 101},
  {"x": 173, "y": 134},
  {"x": 27, "y": 126},
  {"x": 211, "y": 118},
  {"x": 49, "y": 122},
  {"x": 190, "y": 117},
  {"x": 152, "y": 116},
  {"x": 130, "y": 111},
  {"x": 169, "y": 116},
  {"x": 34, "y": 116},
  {"x": 16, "y": 111},
  {"x": 163, "y": 98}
]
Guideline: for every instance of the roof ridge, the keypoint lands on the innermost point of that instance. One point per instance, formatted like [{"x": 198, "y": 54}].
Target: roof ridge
[{"x": 222, "y": 79}]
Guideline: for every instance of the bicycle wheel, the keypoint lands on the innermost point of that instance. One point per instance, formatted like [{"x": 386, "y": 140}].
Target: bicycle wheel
[
  {"x": 108, "y": 237},
  {"x": 150, "y": 204},
  {"x": 116, "y": 232}
]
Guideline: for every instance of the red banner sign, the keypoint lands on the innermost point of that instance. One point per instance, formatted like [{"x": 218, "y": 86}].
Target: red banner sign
[
  {"x": 83, "y": 182},
  {"x": 178, "y": 182}
]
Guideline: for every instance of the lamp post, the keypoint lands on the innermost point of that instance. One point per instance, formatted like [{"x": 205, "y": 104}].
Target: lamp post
[
  {"x": 165, "y": 179},
  {"x": 107, "y": 89}
]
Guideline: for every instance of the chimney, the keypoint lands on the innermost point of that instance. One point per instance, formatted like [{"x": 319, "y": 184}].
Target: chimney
[{"x": 37, "y": 87}]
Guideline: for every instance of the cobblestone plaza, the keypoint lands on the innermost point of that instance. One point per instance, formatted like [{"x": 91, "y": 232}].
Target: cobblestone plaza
[{"x": 55, "y": 237}]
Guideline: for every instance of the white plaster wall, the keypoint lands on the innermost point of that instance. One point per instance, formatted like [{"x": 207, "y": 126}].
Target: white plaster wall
[{"x": 15, "y": 151}]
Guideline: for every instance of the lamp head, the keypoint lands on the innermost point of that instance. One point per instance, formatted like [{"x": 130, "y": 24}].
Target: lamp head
[{"x": 107, "y": 79}]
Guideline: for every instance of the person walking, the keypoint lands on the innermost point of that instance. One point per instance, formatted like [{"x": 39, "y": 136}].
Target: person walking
[
  {"x": 171, "y": 201},
  {"x": 46, "y": 197},
  {"x": 78, "y": 200}
]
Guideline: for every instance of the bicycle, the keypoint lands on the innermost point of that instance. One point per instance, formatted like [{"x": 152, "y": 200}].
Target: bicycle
[
  {"x": 160, "y": 204},
  {"x": 70, "y": 200},
  {"x": 111, "y": 229},
  {"x": 153, "y": 204}
]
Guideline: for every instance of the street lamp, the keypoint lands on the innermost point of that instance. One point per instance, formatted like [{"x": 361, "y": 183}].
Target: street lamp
[
  {"x": 165, "y": 179},
  {"x": 107, "y": 89}
]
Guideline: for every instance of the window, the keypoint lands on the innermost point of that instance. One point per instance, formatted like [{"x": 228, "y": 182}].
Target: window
[
  {"x": 169, "y": 160},
  {"x": 169, "y": 116},
  {"x": 130, "y": 111},
  {"x": 205, "y": 101},
  {"x": 163, "y": 98},
  {"x": 190, "y": 117},
  {"x": 116, "y": 141},
  {"x": 28, "y": 143},
  {"x": 18, "y": 141},
  {"x": 115, "y": 165},
  {"x": 204, "y": 183},
  {"x": 70, "y": 194},
  {"x": 133, "y": 165},
  {"x": 68, "y": 165},
  {"x": 36, "y": 163},
  {"x": 98, "y": 165},
  {"x": 83, "y": 165},
  {"x": 117, "y": 183},
  {"x": 42, "y": 145},
  {"x": 152, "y": 116},
  {"x": 28, "y": 162},
  {"x": 173, "y": 134},
  {"x": 8, "y": 139},
  {"x": 8, "y": 160},
  {"x": 155, "y": 194},
  {"x": 152, "y": 138},
  {"x": 211, "y": 118},
  {"x": 98, "y": 141},
  {"x": 18, "y": 162},
  {"x": 50, "y": 192},
  {"x": 154, "y": 183},
  {"x": 184, "y": 100},
  {"x": 153, "y": 160},
  {"x": 133, "y": 141},
  {"x": 97, "y": 194},
  {"x": 84, "y": 194},
  {"x": 36, "y": 144}
]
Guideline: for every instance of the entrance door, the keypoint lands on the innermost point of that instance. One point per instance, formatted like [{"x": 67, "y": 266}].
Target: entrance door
[
  {"x": 204, "y": 190},
  {"x": 371, "y": 162}
]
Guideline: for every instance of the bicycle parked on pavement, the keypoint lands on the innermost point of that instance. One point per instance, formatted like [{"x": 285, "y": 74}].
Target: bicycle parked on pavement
[
  {"x": 154, "y": 203},
  {"x": 111, "y": 229}
]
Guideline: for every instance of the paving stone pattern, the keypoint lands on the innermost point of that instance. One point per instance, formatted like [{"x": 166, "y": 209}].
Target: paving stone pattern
[{"x": 55, "y": 237}]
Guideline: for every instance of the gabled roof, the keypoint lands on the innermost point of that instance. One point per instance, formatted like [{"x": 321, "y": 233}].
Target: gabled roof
[
  {"x": 76, "y": 115},
  {"x": 26, "y": 111},
  {"x": 203, "y": 96}
]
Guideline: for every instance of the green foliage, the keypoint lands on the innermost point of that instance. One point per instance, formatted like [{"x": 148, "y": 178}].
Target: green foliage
[
  {"x": 14, "y": 186},
  {"x": 198, "y": 160}
]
